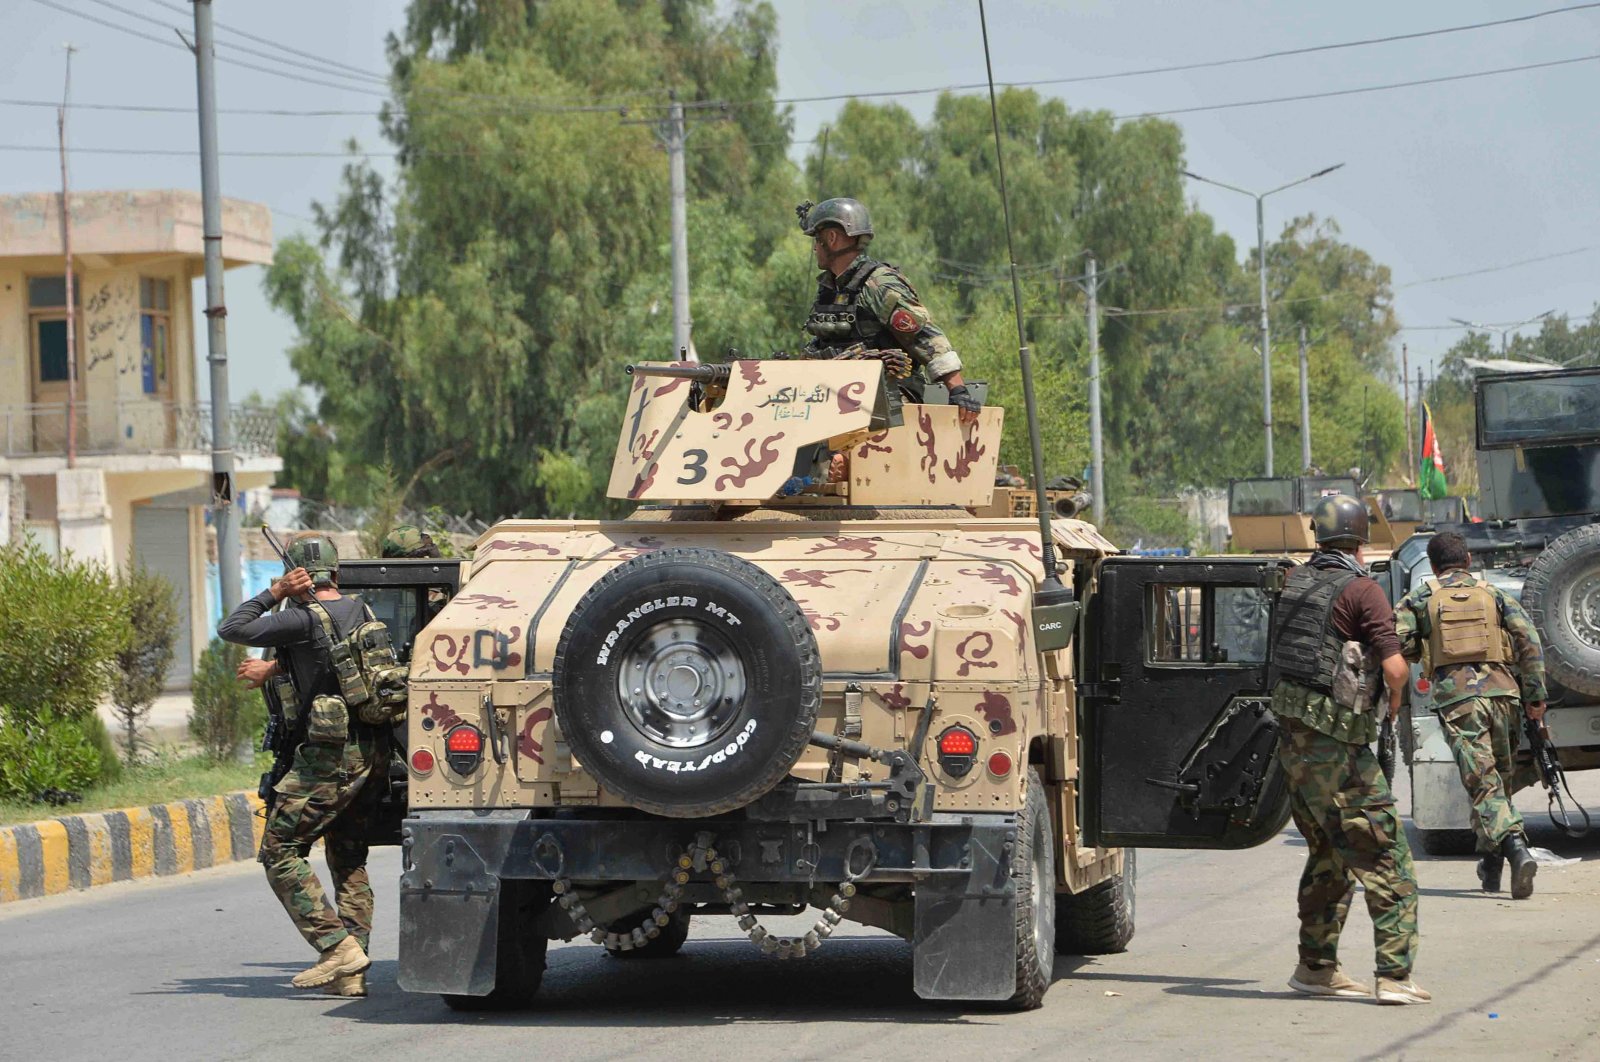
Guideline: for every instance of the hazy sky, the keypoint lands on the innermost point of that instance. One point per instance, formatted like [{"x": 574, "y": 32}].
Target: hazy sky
[{"x": 1439, "y": 179}]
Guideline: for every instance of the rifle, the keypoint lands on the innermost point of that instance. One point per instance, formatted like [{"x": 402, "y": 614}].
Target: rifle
[
  {"x": 1554, "y": 778},
  {"x": 1386, "y": 747}
]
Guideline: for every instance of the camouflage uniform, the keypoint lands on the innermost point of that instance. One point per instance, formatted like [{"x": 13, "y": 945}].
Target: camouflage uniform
[
  {"x": 887, "y": 313},
  {"x": 1480, "y": 707},
  {"x": 331, "y": 793},
  {"x": 1344, "y": 809},
  {"x": 407, "y": 540}
]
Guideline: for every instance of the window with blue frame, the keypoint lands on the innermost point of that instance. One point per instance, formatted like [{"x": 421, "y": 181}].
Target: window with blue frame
[{"x": 155, "y": 334}]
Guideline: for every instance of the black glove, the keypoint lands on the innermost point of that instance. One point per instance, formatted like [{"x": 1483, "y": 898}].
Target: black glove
[{"x": 964, "y": 399}]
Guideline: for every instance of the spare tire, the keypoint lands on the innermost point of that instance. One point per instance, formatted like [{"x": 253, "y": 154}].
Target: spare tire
[
  {"x": 687, "y": 681},
  {"x": 1562, "y": 595}
]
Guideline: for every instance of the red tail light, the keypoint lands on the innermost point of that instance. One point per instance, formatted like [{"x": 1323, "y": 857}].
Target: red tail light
[
  {"x": 999, "y": 764},
  {"x": 463, "y": 748},
  {"x": 958, "y": 749},
  {"x": 422, "y": 761}
]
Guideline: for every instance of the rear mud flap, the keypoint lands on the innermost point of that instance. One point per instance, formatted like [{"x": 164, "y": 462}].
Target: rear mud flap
[
  {"x": 964, "y": 943},
  {"x": 449, "y": 917}
]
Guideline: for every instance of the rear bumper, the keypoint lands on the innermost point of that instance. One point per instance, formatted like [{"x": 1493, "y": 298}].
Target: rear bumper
[{"x": 958, "y": 868}]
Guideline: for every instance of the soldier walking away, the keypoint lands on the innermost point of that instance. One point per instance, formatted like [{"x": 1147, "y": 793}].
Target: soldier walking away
[
  {"x": 339, "y": 763},
  {"x": 869, "y": 305},
  {"x": 408, "y": 541},
  {"x": 1470, "y": 637},
  {"x": 1333, "y": 633}
]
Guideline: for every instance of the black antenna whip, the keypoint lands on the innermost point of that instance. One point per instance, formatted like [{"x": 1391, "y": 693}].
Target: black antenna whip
[{"x": 1024, "y": 358}]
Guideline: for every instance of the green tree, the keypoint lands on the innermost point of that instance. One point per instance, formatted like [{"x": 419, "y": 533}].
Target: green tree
[
  {"x": 226, "y": 713},
  {"x": 143, "y": 662}
]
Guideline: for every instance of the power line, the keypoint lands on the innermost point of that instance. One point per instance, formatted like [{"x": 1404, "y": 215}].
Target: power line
[
  {"x": 275, "y": 44},
  {"x": 1356, "y": 91},
  {"x": 1496, "y": 269}
]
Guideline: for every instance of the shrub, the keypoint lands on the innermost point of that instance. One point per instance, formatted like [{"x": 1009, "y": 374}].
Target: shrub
[
  {"x": 105, "y": 747},
  {"x": 61, "y": 627},
  {"x": 226, "y": 713},
  {"x": 142, "y": 664},
  {"x": 37, "y": 757}
]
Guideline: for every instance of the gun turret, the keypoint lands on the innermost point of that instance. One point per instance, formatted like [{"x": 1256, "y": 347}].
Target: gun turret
[{"x": 696, "y": 371}]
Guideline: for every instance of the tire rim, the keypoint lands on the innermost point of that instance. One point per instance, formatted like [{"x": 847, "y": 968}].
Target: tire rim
[
  {"x": 681, "y": 683},
  {"x": 1581, "y": 606},
  {"x": 1044, "y": 899}
]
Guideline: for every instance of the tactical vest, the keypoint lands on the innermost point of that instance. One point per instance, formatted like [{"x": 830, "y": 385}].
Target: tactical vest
[
  {"x": 372, "y": 681},
  {"x": 835, "y": 320},
  {"x": 1305, "y": 645},
  {"x": 1464, "y": 626}
]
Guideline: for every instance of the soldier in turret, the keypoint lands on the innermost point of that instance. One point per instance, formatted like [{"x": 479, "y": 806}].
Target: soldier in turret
[
  {"x": 1333, "y": 634},
  {"x": 1479, "y": 648},
  {"x": 867, "y": 305}
]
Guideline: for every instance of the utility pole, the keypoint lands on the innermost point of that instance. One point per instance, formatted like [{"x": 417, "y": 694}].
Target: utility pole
[
  {"x": 672, "y": 137},
  {"x": 1097, "y": 484},
  {"x": 1305, "y": 405},
  {"x": 71, "y": 280},
  {"x": 1261, "y": 269},
  {"x": 822, "y": 167},
  {"x": 224, "y": 513},
  {"x": 1405, "y": 387}
]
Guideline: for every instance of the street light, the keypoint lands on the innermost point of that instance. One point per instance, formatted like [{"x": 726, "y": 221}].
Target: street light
[
  {"x": 1261, "y": 260},
  {"x": 1503, "y": 329}
]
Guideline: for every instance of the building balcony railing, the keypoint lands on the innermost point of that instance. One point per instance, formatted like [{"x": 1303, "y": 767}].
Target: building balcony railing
[{"x": 134, "y": 426}]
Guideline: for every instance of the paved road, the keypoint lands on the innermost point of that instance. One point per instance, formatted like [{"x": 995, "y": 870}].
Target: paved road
[{"x": 197, "y": 968}]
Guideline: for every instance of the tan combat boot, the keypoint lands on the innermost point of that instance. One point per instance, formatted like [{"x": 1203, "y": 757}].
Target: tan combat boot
[
  {"x": 349, "y": 985},
  {"x": 345, "y": 957},
  {"x": 1327, "y": 981},
  {"x": 1400, "y": 993}
]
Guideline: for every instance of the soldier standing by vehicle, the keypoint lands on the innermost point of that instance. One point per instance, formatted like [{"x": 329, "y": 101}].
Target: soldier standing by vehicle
[
  {"x": 865, "y": 303},
  {"x": 1470, "y": 636},
  {"x": 326, "y": 792},
  {"x": 1333, "y": 632},
  {"x": 408, "y": 541}
]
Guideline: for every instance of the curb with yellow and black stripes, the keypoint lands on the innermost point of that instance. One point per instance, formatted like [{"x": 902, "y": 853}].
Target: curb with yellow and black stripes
[{"x": 82, "y": 851}]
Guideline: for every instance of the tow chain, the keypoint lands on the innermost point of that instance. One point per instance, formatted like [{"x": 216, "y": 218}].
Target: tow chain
[{"x": 703, "y": 856}]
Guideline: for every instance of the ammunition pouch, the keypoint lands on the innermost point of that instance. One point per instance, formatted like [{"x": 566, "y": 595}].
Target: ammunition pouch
[
  {"x": 383, "y": 674},
  {"x": 328, "y": 722},
  {"x": 1355, "y": 678}
]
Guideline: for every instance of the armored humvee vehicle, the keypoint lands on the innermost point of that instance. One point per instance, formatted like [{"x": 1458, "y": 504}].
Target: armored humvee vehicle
[
  {"x": 1273, "y": 514},
  {"x": 773, "y": 687},
  {"x": 1538, "y": 453}
]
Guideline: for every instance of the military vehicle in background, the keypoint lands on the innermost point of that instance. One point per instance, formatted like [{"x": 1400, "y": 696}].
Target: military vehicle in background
[
  {"x": 1538, "y": 455},
  {"x": 1014, "y": 497},
  {"x": 1273, "y": 514},
  {"x": 790, "y": 680}
]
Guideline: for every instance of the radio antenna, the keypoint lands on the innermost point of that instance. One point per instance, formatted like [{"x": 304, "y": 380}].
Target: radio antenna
[{"x": 1051, "y": 591}]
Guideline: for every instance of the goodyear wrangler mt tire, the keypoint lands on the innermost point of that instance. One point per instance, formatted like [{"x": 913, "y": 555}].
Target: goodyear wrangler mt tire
[
  {"x": 687, "y": 681},
  {"x": 1562, "y": 596}
]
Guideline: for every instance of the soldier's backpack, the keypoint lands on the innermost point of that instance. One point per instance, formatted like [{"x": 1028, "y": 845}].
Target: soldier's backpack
[
  {"x": 1464, "y": 626},
  {"x": 372, "y": 681}
]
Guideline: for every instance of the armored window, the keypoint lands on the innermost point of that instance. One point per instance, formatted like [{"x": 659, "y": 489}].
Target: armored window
[
  {"x": 1206, "y": 624},
  {"x": 1314, "y": 488},
  {"x": 1402, "y": 505},
  {"x": 1538, "y": 411},
  {"x": 1261, "y": 497}
]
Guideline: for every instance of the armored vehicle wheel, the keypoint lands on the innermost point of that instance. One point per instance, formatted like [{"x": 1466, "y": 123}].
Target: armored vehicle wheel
[
  {"x": 687, "y": 682},
  {"x": 519, "y": 950},
  {"x": 1033, "y": 869},
  {"x": 1098, "y": 920},
  {"x": 673, "y": 934},
  {"x": 1562, "y": 594},
  {"x": 1447, "y": 842}
]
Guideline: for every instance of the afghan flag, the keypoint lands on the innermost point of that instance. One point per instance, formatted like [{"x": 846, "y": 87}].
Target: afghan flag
[{"x": 1430, "y": 475}]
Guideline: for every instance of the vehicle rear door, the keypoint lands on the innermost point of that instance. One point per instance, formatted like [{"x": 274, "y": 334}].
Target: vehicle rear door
[{"x": 1179, "y": 741}]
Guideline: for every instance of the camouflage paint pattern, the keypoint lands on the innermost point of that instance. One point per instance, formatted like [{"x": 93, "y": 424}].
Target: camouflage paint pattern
[
  {"x": 1483, "y": 733},
  {"x": 1458, "y": 683},
  {"x": 1344, "y": 809},
  {"x": 888, "y": 297},
  {"x": 329, "y": 793}
]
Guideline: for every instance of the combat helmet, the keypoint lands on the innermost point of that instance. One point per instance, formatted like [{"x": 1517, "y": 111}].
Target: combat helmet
[
  {"x": 849, "y": 214},
  {"x": 1340, "y": 520},
  {"x": 316, "y": 553},
  {"x": 408, "y": 540}
]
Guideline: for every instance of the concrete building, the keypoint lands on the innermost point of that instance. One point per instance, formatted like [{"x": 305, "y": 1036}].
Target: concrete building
[{"x": 141, "y": 482}]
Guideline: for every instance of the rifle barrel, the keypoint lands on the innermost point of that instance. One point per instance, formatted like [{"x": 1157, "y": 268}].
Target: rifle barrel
[{"x": 699, "y": 372}]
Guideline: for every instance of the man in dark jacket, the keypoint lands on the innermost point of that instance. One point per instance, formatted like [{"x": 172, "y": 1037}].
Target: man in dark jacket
[{"x": 339, "y": 764}]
